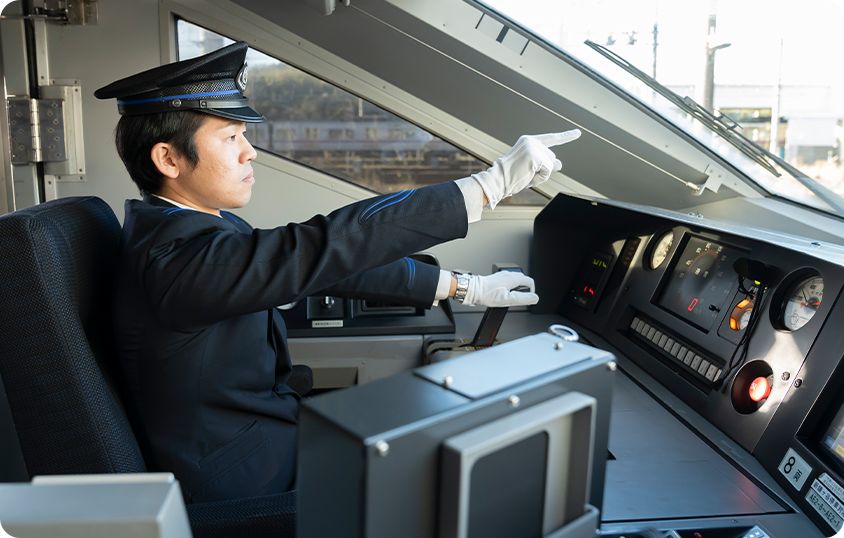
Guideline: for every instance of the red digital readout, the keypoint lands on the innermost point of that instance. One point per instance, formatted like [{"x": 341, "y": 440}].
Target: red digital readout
[
  {"x": 692, "y": 304},
  {"x": 588, "y": 290}
]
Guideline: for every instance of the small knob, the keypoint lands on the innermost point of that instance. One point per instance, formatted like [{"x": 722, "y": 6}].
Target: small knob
[{"x": 327, "y": 302}]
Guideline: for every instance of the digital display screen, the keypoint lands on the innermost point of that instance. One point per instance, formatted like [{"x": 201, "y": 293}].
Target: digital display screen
[
  {"x": 700, "y": 282},
  {"x": 833, "y": 439}
]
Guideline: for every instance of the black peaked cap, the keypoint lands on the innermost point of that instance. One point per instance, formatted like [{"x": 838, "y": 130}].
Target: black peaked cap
[{"x": 213, "y": 83}]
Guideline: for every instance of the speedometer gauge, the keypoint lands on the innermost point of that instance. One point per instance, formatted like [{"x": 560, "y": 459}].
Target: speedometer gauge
[
  {"x": 802, "y": 302},
  {"x": 661, "y": 248}
]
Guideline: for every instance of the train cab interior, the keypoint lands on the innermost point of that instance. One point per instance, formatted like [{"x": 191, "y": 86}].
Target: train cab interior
[{"x": 681, "y": 255}]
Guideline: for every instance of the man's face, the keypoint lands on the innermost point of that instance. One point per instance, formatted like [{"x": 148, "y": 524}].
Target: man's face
[{"x": 222, "y": 179}]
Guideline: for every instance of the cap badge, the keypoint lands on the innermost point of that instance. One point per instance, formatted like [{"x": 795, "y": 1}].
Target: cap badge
[{"x": 240, "y": 80}]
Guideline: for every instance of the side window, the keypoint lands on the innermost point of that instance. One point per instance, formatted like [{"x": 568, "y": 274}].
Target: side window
[{"x": 319, "y": 125}]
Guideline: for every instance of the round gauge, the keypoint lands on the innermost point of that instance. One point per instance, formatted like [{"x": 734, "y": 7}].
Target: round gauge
[
  {"x": 661, "y": 248},
  {"x": 740, "y": 316},
  {"x": 802, "y": 302}
]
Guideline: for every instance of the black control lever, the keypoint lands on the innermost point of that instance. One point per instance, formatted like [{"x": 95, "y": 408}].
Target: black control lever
[{"x": 491, "y": 323}]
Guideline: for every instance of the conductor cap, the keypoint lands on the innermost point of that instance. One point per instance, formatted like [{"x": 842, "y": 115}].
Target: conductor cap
[{"x": 213, "y": 83}]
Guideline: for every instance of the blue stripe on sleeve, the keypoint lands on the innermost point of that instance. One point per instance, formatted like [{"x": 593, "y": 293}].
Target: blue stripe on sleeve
[
  {"x": 411, "y": 269},
  {"x": 405, "y": 195},
  {"x": 363, "y": 216}
]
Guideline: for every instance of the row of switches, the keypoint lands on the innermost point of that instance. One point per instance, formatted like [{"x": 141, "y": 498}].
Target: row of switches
[{"x": 676, "y": 349}]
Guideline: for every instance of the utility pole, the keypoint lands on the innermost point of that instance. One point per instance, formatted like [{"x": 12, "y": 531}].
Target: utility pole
[
  {"x": 708, "y": 93},
  {"x": 656, "y": 34},
  {"x": 775, "y": 110}
]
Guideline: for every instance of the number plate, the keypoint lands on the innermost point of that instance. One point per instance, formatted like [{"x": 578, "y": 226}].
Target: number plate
[{"x": 795, "y": 469}]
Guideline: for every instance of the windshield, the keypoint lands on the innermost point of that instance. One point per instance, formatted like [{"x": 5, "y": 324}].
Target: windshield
[{"x": 770, "y": 66}]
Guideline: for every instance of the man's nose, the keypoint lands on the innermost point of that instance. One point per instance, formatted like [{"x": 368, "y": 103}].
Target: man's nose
[{"x": 248, "y": 152}]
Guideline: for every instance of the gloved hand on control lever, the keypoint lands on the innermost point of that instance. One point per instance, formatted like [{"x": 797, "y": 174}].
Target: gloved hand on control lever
[
  {"x": 498, "y": 288},
  {"x": 528, "y": 164}
]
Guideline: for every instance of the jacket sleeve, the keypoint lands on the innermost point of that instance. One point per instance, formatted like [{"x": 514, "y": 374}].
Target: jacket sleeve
[
  {"x": 406, "y": 282},
  {"x": 197, "y": 278}
]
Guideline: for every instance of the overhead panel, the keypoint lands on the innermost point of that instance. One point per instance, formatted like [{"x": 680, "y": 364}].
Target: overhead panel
[{"x": 456, "y": 78}]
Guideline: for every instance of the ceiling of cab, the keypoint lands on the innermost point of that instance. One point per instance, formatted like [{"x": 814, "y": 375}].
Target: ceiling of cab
[{"x": 435, "y": 67}]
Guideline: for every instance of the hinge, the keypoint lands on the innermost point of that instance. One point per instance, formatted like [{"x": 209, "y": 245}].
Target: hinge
[
  {"x": 65, "y": 12},
  {"x": 37, "y": 130}
]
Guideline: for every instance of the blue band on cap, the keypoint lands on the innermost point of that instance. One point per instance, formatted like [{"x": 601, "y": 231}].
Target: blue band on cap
[{"x": 171, "y": 97}]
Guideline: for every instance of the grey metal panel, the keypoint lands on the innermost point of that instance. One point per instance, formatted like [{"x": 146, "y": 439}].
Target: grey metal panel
[
  {"x": 374, "y": 357},
  {"x": 496, "y": 365},
  {"x": 777, "y": 526},
  {"x": 831, "y": 252},
  {"x": 645, "y": 438},
  {"x": 677, "y": 489},
  {"x": 422, "y": 69},
  {"x": 143, "y": 510},
  {"x": 409, "y": 399}
]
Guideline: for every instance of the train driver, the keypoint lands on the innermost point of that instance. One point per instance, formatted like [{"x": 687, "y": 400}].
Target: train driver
[{"x": 202, "y": 347}]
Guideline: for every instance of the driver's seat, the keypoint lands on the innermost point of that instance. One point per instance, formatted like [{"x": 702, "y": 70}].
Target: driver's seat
[{"x": 57, "y": 353}]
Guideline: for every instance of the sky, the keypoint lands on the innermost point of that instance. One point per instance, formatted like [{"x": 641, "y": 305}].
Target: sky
[{"x": 810, "y": 32}]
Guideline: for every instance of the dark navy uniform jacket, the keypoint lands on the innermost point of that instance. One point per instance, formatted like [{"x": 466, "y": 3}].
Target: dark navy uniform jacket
[{"x": 202, "y": 347}]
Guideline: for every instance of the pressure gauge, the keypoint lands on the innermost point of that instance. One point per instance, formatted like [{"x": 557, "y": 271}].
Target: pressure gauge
[
  {"x": 661, "y": 248},
  {"x": 802, "y": 302},
  {"x": 740, "y": 316}
]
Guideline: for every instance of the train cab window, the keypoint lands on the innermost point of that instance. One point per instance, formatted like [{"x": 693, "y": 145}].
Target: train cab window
[{"x": 317, "y": 124}]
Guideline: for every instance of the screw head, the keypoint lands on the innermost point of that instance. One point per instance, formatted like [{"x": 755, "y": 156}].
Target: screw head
[
  {"x": 611, "y": 366},
  {"x": 514, "y": 401},
  {"x": 797, "y": 383},
  {"x": 447, "y": 381},
  {"x": 785, "y": 376},
  {"x": 558, "y": 346},
  {"x": 382, "y": 448}
]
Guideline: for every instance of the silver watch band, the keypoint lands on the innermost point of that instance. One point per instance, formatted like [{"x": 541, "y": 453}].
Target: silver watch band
[{"x": 462, "y": 285}]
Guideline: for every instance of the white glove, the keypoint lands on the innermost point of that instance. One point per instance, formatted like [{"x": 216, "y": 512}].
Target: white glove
[
  {"x": 527, "y": 164},
  {"x": 494, "y": 290}
]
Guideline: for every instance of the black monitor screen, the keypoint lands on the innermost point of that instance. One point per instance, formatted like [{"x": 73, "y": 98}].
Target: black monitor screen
[{"x": 700, "y": 282}]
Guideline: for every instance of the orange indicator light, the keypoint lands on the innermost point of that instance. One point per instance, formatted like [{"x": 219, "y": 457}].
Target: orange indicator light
[{"x": 760, "y": 389}]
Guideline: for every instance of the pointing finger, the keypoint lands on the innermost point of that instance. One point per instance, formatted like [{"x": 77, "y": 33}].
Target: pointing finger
[{"x": 555, "y": 139}]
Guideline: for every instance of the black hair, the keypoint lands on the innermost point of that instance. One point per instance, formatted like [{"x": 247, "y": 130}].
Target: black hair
[{"x": 135, "y": 137}]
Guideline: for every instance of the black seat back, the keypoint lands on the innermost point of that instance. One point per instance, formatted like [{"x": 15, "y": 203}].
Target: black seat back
[{"x": 56, "y": 344}]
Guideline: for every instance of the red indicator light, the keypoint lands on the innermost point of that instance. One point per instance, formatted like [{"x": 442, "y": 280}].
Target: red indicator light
[
  {"x": 692, "y": 304},
  {"x": 760, "y": 389}
]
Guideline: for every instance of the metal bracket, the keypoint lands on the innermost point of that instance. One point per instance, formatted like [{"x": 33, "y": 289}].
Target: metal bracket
[
  {"x": 713, "y": 182},
  {"x": 72, "y": 167},
  {"x": 65, "y": 12},
  {"x": 48, "y": 130}
]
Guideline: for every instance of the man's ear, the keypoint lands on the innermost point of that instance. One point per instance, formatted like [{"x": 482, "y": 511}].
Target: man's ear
[{"x": 166, "y": 160}]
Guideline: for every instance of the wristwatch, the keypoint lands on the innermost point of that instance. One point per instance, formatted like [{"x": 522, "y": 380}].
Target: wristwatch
[{"x": 462, "y": 285}]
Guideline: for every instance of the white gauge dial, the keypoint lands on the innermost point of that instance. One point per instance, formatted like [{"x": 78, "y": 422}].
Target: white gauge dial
[
  {"x": 745, "y": 319},
  {"x": 661, "y": 249},
  {"x": 802, "y": 303}
]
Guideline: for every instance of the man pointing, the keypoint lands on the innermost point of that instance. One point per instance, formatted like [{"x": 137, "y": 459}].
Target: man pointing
[{"x": 203, "y": 350}]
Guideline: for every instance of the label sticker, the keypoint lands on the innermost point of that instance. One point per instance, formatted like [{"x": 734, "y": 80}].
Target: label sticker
[
  {"x": 320, "y": 324},
  {"x": 816, "y": 497},
  {"x": 833, "y": 486},
  {"x": 795, "y": 469}
]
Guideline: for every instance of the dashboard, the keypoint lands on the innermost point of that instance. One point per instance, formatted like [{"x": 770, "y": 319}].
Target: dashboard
[{"x": 742, "y": 325}]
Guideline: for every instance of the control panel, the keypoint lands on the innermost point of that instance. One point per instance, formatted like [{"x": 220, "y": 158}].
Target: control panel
[{"x": 740, "y": 324}]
